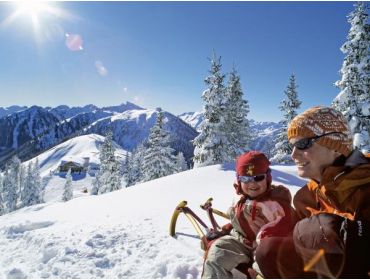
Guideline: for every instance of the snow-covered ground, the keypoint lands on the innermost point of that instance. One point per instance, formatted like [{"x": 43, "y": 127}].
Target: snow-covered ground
[
  {"x": 122, "y": 234},
  {"x": 75, "y": 149}
]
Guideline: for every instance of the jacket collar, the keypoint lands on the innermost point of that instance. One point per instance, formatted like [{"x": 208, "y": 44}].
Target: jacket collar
[{"x": 339, "y": 181}]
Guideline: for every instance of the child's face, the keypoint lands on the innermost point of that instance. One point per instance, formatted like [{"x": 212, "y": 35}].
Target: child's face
[{"x": 254, "y": 189}]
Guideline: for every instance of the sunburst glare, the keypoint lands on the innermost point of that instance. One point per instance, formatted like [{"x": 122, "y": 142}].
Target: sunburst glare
[{"x": 42, "y": 15}]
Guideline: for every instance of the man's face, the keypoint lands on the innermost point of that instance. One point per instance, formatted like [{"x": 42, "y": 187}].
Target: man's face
[{"x": 311, "y": 162}]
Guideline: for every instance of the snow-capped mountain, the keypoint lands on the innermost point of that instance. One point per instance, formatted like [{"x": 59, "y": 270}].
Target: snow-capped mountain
[
  {"x": 10, "y": 110},
  {"x": 192, "y": 118},
  {"x": 132, "y": 127},
  {"x": 66, "y": 112},
  {"x": 122, "y": 234},
  {"x": 262, "y": 132},
  {"x": 36, "y": 129}
]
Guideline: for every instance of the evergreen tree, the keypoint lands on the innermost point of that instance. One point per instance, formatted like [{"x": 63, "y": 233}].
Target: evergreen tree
[
  {"x": 38, "y": 183},
  {"x": 108, "y": 178},
  {"x": 2, "y": 207},
  {"x": 181, "y": 164},
  {"x": 237, "y": 124},
  {"x": 135, "y": 165},
  {"x": 289, "y": 108},
  {"x": 22, "y": 176},
  {"x": 211, "y": 145},
  {"x": 354, "y": 99},
  {"x": 31, "y": 191},
  {"x": 158, "y": 157},
  {"x": 68, "y": 192},
  {"x": 126, "y": 168},
  {"x": 95, "y": 186},
  {"x": 11, "y": 184}
]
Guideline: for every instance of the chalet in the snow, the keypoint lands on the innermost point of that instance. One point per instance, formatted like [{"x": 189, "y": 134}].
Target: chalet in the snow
[{"x": 76, "y": 164}]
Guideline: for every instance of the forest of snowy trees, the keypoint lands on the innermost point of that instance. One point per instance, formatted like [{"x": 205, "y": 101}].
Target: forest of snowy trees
[
  {"x": 20, "y": 186},
  {"x": 223, "y": 135},
  {"x": 225, "y": 129}
]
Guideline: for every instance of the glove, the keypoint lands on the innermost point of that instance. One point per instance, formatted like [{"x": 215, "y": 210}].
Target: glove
[
  {"x": 213, "y": 234},
  {"x": 357, "y": 231},
  {"x": 356, "y": 237},
  {"x": 227, "y": 228}
]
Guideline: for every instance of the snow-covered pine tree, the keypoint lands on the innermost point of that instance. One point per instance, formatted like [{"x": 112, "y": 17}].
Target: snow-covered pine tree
[
  {"x": 159, "y": 160},
  {"x": 289, "y": 108},
  {"x": 211, "y": 145},
  {"x": 181, "y": 164},
  {"x": 237, "y": 124},
  {"x": 108, "y": 178},
  {"x": 27, "y": 185},
  {"x": 31, "y": 192},
  {"x": 11, "y": 184},
  {"x": 2, "y": 207},
  {"x": 22, "y": 181},
  {"x": 68, "y": 192},
  {"x": 135, "y": 165},
  {"x": 38, "y": 183},
  {"x": 126, "y": 168},
  {"x": 354, "y": 99},
  {"x": 95, "y": 186}
]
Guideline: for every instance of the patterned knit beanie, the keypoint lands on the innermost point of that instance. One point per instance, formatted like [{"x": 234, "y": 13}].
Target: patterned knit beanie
[{"x": 320, "y": 120}]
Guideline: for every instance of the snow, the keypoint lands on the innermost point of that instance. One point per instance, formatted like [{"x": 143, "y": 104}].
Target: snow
[
  {"x": 75, "y": 149},
  {"x": 194, "y": 119},
  {"x": 122, "y": 234}
]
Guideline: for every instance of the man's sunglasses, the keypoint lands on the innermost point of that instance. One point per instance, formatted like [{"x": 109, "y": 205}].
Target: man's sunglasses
[
  {"x": 306, "y": 143},
  {"x": 248, "y": 179}
]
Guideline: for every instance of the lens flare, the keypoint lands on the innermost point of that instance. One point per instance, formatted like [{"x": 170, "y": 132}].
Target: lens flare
[
  {"x": 74, "y": 42},
  {"x": 100, "y": 68}
]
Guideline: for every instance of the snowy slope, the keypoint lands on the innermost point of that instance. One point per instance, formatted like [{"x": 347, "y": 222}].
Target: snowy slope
[
  {"x": 123, "y": 234},
  {"x": 74, "y": 149}
]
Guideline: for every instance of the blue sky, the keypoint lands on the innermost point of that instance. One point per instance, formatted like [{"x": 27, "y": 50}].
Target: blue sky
[{"x": 155, "y": 54}]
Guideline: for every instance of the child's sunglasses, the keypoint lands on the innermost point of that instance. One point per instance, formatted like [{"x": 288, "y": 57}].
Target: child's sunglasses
[
  {"x": 248, "y": 179},
  {"x": 306, "y": 143}
]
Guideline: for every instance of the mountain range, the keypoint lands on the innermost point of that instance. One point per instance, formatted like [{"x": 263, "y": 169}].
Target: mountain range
[{"x": 29, "y": 131}]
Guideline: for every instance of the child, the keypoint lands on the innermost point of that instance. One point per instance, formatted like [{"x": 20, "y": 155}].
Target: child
[{"x": 262, "y": 210}]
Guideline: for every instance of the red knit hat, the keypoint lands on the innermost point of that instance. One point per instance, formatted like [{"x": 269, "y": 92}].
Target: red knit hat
[{"x": 251, "y": 164}]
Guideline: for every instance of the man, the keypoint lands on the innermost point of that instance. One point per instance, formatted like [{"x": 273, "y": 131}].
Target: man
[{"x": 332, "y": 237}]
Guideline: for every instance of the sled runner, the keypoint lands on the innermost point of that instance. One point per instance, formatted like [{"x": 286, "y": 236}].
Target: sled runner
[
  {"x": 244, "y": 269},
  {"x": 196, "y": 221}
]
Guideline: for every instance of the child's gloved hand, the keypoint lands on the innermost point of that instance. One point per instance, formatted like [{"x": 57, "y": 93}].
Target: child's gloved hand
[
  {"x": 227, "y": 228},
  {"x": 213, "y": 234}
]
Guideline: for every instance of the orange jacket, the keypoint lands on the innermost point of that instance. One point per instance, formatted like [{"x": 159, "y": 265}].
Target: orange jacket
[{"x": 344, "y": 190}]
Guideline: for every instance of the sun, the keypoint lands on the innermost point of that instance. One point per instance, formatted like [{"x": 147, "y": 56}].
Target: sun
[
  {"x": 31, "y": 8},
  {"x": 42, "y": 14}
]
